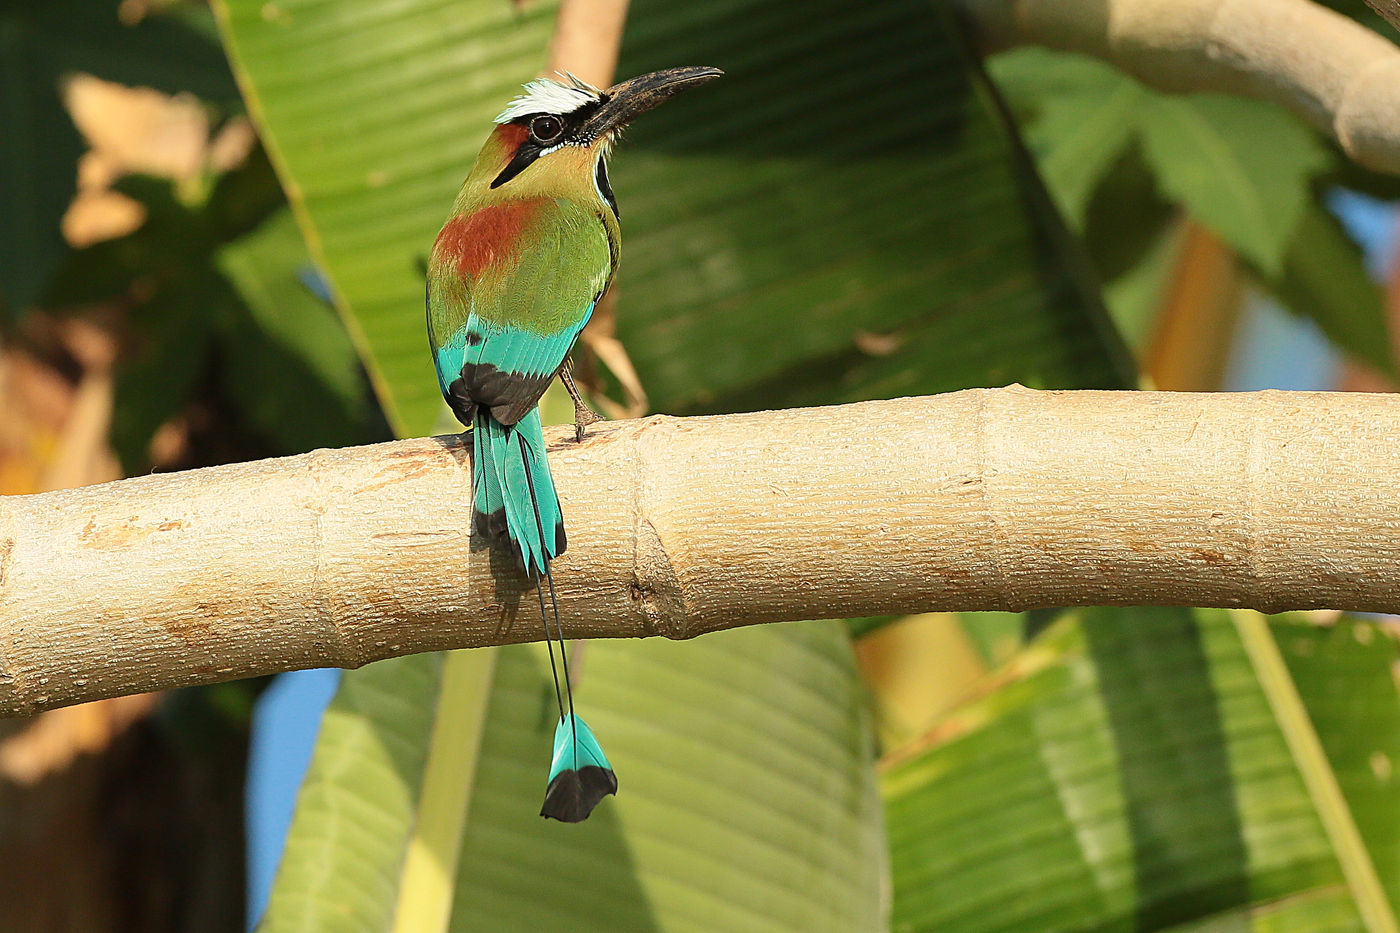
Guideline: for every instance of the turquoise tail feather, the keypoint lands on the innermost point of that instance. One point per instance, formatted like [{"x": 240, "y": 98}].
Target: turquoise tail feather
[
  {"x": 579, "y": 776},
  {"x": 513, "y": 496},
  {"x": 513, "y": 490}
]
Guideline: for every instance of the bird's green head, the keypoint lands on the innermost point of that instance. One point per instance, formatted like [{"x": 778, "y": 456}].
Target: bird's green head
[{"x": 560, "y": 130}]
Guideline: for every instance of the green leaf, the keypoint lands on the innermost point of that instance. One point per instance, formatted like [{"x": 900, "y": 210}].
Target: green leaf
[
  {"x": 340, "y": 869},
  {"x": 1148, "y": 769},
  {"x": 1241, "y": 167},
  {"x": 746, "y": 799},
  {"x": 40, "y": 43},
  {"x": 1345, "y": 674},
  {"x": 427, "y": 889},
  {"x": 772, "y": 259},
  {"x": 861, "y": 627},
  {"x": 997, "y": 635},
  {"x": 1325, "y": 278},
  {"x": 1135, "y": 296},
  {"x": 1316, "y": 770},
  {"x": 1083, "y": 115},
  {"x": 287, "y": 359}
]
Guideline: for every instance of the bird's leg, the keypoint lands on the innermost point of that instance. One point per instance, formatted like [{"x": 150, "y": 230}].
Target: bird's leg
[{"x": 583, "y": 415}]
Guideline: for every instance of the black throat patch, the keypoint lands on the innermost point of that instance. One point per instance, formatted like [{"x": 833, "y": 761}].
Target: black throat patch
[{"x": 600, "y": 175}]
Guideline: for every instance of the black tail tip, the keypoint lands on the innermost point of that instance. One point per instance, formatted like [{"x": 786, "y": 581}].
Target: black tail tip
[
  {"x": 573, "y": 794},
  {"x": 492, "y": 525}
]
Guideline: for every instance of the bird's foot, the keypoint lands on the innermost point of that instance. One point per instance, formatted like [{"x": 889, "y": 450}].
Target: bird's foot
[{"x": 583, "y": 415}]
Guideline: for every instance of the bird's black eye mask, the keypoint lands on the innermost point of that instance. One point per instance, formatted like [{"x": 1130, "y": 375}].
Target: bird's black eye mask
[{"x": 547, "y": 132}]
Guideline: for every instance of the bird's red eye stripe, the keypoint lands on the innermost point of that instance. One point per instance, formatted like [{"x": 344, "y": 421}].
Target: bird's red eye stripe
[{"x": 512, "y": 135}]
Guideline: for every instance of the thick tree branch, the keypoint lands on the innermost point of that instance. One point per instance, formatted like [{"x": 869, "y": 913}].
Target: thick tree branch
[
  {"x": 984, "y": 499},
  {"x": 1331, "y": 71}
]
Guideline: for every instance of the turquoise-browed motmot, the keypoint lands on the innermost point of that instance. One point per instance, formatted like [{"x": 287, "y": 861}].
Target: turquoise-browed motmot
[{"x": 530, "y": 248}]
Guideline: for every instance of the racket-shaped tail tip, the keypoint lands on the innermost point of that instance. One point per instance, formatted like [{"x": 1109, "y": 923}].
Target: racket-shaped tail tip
[
  {"x": 573, "y": 794},
  {"x": 579, "y": 776}
]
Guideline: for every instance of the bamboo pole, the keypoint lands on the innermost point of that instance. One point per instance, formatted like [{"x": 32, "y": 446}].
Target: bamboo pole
[
  {"x": 984, "y": 499},
  {"x": 1325, "y": 67}
]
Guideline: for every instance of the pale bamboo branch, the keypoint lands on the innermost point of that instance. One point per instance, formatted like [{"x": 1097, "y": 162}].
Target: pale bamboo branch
[
  {"x": 1331, "y": 71},
  {"x": 984, "y": 499}
]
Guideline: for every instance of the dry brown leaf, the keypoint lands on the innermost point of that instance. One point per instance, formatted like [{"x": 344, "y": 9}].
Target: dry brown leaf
[
  {"x": 139, "y": 130},
  {"x": 51, "y": 741}
]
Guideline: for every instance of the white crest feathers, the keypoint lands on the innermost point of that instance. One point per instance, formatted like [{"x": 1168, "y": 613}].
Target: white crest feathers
[{"x": 546, "y": 95}]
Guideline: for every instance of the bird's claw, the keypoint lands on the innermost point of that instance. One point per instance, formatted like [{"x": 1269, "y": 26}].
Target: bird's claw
[{"x": 583, "y": 415}]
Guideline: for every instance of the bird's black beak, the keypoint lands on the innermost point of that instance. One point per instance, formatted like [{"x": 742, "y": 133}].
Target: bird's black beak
[{"x": 625, "y": 101}]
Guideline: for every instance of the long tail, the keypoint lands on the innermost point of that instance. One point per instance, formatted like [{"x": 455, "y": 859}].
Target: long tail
[
  {"x": 514, "y": 496},
  {"x": 508, "y": 462}
]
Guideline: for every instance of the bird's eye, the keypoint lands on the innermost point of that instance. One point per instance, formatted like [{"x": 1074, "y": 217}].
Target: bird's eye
[{"x": 546, "y": 128}]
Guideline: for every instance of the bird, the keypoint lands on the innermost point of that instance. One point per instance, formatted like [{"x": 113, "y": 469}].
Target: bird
[{"x": 530, "y": 247}]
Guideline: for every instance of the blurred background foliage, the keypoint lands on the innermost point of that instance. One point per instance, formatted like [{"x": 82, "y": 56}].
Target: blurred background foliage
[{"x": 209, "y": 262}]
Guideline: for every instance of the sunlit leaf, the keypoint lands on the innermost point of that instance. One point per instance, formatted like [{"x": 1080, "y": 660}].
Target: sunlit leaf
[
  {"x": 738, "y": 218},
  {"x": 1345, "y": 674},
  {"x": 1131, "y": 770},
  {"x": 1086, "y": 116},
  {"x": 773, "y": 259},
  {"x": 746, "y": 797},
  {"x": 357, "y": 804},
  {"x": 1242, "y": 168}
]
